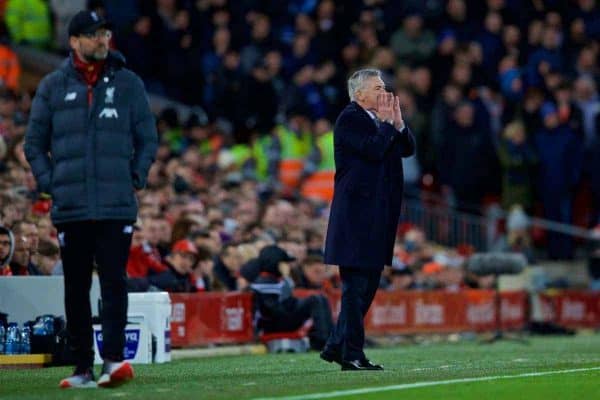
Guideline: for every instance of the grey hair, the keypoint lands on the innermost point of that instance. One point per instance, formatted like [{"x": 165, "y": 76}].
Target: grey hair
[{"x": 358, "y": 78}]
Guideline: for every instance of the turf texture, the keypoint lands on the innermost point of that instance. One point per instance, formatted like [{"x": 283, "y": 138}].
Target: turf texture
[{"x": 476, "y": 371}]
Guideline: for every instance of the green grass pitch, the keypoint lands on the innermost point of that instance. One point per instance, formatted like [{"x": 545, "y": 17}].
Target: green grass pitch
[{"x": 475, "y": 371}]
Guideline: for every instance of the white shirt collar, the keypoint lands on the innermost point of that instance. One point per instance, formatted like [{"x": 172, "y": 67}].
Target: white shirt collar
[{"x": 371, "y": 114}]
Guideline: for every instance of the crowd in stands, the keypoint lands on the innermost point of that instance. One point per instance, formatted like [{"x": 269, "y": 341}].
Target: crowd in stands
[{"x": 502, "y": 96}]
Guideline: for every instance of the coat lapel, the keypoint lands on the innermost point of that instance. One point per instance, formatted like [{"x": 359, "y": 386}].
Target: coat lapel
[{"x": 365, "y": 115}]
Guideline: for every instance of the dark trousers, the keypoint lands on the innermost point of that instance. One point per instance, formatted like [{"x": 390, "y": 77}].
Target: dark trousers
[
  {"x": 347, "y": 339},
  {"x": 107, "y": 244},
  {"x": 315, "y": 307}
]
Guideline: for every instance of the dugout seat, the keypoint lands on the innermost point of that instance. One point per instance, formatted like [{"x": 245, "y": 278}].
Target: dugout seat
[{"x": 287, "y": 342}]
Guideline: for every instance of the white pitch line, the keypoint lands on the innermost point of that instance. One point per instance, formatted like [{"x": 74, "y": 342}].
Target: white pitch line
[{"x": 405, "y": 386}]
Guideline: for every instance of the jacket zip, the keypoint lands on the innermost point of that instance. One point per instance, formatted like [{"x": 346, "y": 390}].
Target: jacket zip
[
  {"x": 90, "y": 97},
  {"x": 90, "y": 150}
]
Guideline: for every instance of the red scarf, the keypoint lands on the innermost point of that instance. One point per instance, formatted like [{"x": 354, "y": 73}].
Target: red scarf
[{"x": 89, "y": 71}]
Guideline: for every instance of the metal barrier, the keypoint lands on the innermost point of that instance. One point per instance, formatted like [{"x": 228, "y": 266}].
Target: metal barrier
[{"x": 447, "y": 226}]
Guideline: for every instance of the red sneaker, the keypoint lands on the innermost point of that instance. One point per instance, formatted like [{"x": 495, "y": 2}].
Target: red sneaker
[
  {"x": 115, "y": 373},
  {"x": 83, "y": 380}
]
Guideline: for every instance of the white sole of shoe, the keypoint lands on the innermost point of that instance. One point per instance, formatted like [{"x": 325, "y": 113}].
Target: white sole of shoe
[
  {"x": 67, "y": 385},
  {"x": 117, "y": 378}
]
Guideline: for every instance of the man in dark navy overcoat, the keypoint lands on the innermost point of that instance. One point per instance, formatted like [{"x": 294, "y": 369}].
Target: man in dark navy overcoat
[{"x": 370, "y": 139}]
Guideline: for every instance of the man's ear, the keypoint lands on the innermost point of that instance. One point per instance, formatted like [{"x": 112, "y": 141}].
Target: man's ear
[
  {"x": 358, "y": 95},
  {"x": 73, "y": 42}
]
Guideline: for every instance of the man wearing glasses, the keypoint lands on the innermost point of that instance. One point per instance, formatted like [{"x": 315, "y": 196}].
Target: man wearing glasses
[{"x": 90, "y": 142}]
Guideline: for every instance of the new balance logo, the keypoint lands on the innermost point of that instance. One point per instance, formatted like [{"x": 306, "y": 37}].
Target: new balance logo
[
  {"x": 61, "y": 239},
  {"x": 108, "y": 113}
]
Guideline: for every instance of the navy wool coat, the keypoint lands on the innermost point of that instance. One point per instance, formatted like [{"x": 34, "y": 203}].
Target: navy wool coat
[{"x": 368, "y": 190}]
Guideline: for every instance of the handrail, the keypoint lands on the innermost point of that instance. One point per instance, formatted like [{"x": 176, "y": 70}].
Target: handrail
[{"x": 559, "y": 227}]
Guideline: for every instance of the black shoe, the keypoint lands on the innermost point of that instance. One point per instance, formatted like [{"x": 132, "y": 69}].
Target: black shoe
[
  {"x": 376, "y": 367},
  {"x": 360, "y": 365},
  {"x": 331, "y": 356}
]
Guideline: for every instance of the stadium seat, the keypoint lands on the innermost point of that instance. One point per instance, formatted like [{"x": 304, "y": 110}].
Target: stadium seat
[{"x": 287, "y": 342}]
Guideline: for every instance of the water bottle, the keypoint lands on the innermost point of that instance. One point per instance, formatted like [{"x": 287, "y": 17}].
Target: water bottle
[
  {"x": 2, "y": 338},
  {"x": 25, "y": 340},
  {"x": 13, "y": 339},
  {"x": 39, "y": 327},
  {"x": 48, "y": 324}
]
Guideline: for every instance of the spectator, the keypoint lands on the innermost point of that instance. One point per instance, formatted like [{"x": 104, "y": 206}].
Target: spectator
[
  {"x": 278, "y": 310},
  {"x": 560, "y": 154},
  {"x": 586, "y": 97},
  {"x": 585, "y": 63},
  {"x": 144, "y": 259},
  {"x": 518, "y": 161},
  {"x": 457, "y": 20},
  {"x": 313, "y": 274},
  {"x": 28, "y": 22},
  {"x": 300, "y": 56},
  {"x": 226, "y": 268},
  {"x": 173, "y": 40},
  {"x": 258, "y": 100},
  {"x": 203, "y": 271},
  {"x": 511, "y": 81},
  {"x": 7, "y": 246},
  {"x": 414, "y": 164},
  {"x": 491, "y": 43},
  {"x": 139, "y": 47},
  {"x": 48, "y": 258},
  {"x": 294, "y": 141},
  {"x": 163, "y": 230},
  {"x": 518, "y": 237},
  {"x": 21, "y": 263},
  {"x": 399, "y": 277},
  {"x": 261, "y": 40},
  {"x": 329, "y": 32},
  {"x": 10, "y": 68},
  {"x": 546, "y": 58},
  {"x": 585, "y": 20},
  {"x": 568, "y": 111},
  {"x": 319, "y": 166},
  {"x": 468, "y": 157},
  {"x": 46, "y": 230},
  {"x": 179, "y": 275},
  {"x": 420, "y": 83},
  {"x": 62, "y": 12},
  {"x": 412, "y": 44},
  {"x": 29, "y": 231},
  {"x": 441, "y": 119}
]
